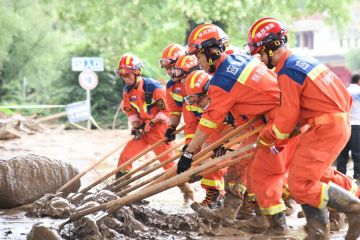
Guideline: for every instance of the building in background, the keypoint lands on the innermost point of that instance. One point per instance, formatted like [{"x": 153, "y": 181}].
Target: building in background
[{"x": 326, "y": 43}]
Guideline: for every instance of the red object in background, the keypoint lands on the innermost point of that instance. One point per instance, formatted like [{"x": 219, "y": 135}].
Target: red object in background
[{"x": 343, "y": 73}]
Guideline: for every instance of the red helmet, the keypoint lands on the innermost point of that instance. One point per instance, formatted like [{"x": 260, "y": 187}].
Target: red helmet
[
  {"x": 266, "y": 32},
  {"x": 129, "y": 63},
  {"x": 196, "y": 84},
  {"x": 184, "y": 66},
  {"x": 206, "y": 35},
  {"x": 171, "y": 53}
]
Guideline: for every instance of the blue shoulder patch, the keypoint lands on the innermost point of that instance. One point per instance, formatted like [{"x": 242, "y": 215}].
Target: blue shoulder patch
[
  {"x": 170, "y": 83},
  {"x": 297, "y": 68},
  {"x": 151, "y": 84},
  {"x": 229, "y": 71}
]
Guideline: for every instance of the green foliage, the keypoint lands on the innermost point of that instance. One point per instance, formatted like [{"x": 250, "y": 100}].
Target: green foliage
[
  {"x": 353, "y": 59},
  {"x": 38, "y": 39}
]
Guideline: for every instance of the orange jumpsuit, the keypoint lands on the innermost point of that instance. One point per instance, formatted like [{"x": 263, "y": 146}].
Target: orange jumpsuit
[
  {"x": 175, "y": 92},
  {"x": 143, "y": 103},
  {"x": 244, "y": 86},
  {"x": 312, "y": 94}
]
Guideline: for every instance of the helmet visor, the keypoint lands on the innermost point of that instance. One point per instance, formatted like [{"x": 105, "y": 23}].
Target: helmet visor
[
  {"x": 178, "y": 73},
  {"x": 121, "y": 72},
  {"x": 166, "y": 63},
  {"x": 192, "y": 99}
]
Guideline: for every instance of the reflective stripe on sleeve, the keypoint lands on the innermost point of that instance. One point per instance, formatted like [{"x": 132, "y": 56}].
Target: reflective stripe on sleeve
[
  {"x": 207, "y": 123},
  {"x": 279, "y": 134}
]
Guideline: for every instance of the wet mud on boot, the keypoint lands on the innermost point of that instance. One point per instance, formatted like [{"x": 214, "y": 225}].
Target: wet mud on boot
[
  {"x": 290, "y": 206},
  {"x": 256, "y": 224},
  {"x": 224, "y": 216},
  {"x": 277, "y": 225},
  {"x": 317, "y": 223},
  {"x": 343, "y": 201},
  {"x": 188, "y": 193},
  {"x": 337, "y": 220}
]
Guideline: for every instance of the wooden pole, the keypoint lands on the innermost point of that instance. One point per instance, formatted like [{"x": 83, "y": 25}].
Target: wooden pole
[
  {"x": 157, "y": 166},
  {"x": 50, "y": 117},
  {"x": 172, "y": 171},
  {"x": 78, "y": 176},
  {"x": 160, "y": 187},
  {"x": 126, "y": 176},
  {"x": 136, "y": 157}
]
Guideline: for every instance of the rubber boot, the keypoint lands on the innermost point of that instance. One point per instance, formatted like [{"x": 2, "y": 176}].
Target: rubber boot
[
  {"x": 224, "y": 216},
  {"x": 337, "y": 220},
  {"x": 278, "y": 226},
  {"x": 317, "y": 223},
  {"x": 213, "y": 198},
  {"x": 290, "y": 206},
  {"x": 188, "y": 192},
  {"x": 255, "y": 225},
  {"x": 343, "y": 201}
]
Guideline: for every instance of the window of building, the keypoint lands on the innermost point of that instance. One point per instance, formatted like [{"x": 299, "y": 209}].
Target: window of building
[{"x": 305, "y": 39}]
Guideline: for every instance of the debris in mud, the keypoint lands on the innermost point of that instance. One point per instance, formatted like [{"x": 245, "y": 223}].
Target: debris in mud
[
  {"x": 16, "y": 125},
  {"x": 137, "y": 221},
  {"x": 26, "y": 178},
  {"x": 42, "y": 232}
]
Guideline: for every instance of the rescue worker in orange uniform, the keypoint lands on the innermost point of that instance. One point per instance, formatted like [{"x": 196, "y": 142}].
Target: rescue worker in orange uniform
[
  {"x": 244, "y": 86},
  {"x": 144, "y": 103},
  {"x": 174, "y": 99},
  {"x": 213, "y": 183},
  {"x": 174, "y": 88},
  {"x": 310, "y": 94},
  {"x": 196, "y": 87}
]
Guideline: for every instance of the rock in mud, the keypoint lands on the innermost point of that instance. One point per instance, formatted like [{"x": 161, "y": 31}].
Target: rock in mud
[
  {"x": 42, "y": 232},
  {"x": 26, "y": 178}
]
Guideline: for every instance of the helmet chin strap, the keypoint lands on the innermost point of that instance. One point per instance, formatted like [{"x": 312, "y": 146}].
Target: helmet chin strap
[
  {"x": 269, "y": 54},
  {"x": 212, "y": 57}
]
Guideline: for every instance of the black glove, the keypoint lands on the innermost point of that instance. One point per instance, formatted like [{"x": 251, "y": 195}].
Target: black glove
[
  {"x": 169, "y": 134},
  {"x": 184, "y": 162},
  {"x": 138, "y": 131},
  {"x": 219, "y": 151},
  {"x": 195, "y": 178},
  {"x": 184, "y": 148}
]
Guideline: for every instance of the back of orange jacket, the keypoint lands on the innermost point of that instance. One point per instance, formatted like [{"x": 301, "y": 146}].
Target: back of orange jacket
[
  {"x": 242, "y": 85},
  {"x": 309, "y": 89}
]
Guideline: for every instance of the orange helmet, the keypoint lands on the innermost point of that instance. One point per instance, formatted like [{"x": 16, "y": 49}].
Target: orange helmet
[
  {"x": 184, "y": 66},
  {"x": 129, "y": 63},
  {"x": 206, "y": 35},
  {"x": 266, "y": 33},
  {"x": 196, "y": 85},
  {"x": 171, "y": 53}
]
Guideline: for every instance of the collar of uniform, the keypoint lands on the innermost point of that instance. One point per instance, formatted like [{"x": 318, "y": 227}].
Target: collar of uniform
[
  {"x": 282, "y": 60},
  {"x": 140, "y": 84},
  {"x": 220, "y": 60}
]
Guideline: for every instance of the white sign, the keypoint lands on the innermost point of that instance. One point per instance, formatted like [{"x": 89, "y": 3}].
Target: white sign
[
  {"x": 78, "y": 111},
  {"x": 79, "y": 64},
  {"x": 88, "y": 80}
]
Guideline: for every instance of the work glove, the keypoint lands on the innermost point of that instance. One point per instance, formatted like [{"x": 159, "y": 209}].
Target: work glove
[
  {"x": 219, "y": 151},
  {"x": 138, "y": 131},
  {"x": 184, "y": 162},
  {"x": 169, "y": 134}
]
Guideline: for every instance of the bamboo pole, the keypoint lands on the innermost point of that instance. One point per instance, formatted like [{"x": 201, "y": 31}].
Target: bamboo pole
[
  {"x": 50, "y": 117},
  {"x": 126, "y": 176},
  {"x": 208, "y": 151},
  {"x": 151, "y": 190},
  {"x": 157, "y": 166},
  {"x": 78, "y": 176},
  {"x": 136, "y": 157}
]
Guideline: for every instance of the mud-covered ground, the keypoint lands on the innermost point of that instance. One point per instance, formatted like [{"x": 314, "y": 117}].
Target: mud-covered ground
[{"x": 82, "y": 148}]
